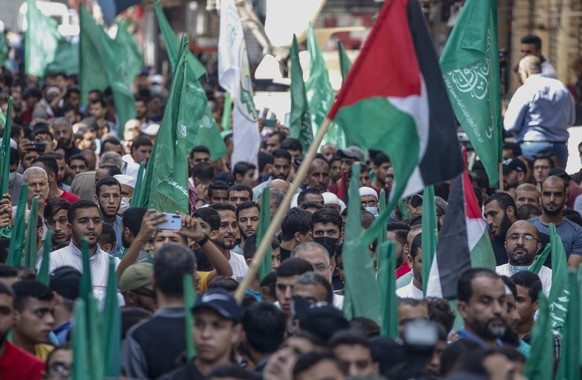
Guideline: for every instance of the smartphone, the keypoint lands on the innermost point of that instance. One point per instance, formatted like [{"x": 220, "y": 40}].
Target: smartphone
[
  {"x": 173, "y": 222},
  {"x": 39, "y": 146},
  {"x": 270, "y": 123}
]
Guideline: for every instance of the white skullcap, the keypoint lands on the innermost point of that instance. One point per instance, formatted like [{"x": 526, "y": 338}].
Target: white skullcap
[
  {"x": 294, "y": 201},
  {"x": 330, "y": 198},
  {"x": 125, "y": 179},
  {"x": 151, "y": 130},
  {"x": 342, "y": 205},
  {"x": 13, "y": 144},
  {"x": 365, "y": 190}
]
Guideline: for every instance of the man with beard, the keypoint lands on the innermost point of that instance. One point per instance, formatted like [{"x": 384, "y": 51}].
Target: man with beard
[
  {"x": 500, "y": 212},
  {"x": 63, "y": 134},
  {"x": 514, "y": 173},
  {"x": 318, "y": 175},
  {"x": 280, "y": 170},
  {"x": 414, "y": 259},
  {"x": 247, "y": 216},
  {"x": 522, "y": 245},
  {"x": 482, "y": 304},
  {"x": 226, "y": 237},
  {"x": 554, "y": 194}
]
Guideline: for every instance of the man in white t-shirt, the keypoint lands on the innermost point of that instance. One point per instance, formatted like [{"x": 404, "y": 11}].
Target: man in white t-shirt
[
  {"x": 522, "y": 245},
  {"x": 226, "y": 239},
  {"x": 414, "y": 259}
]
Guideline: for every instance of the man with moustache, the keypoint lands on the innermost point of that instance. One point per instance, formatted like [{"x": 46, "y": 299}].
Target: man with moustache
[
  {"x": 482, "y": 304},
  {"x": 522, "y": 245},
  {"x": 500, "y": 212},
  {"x": 225, "y": 240}
]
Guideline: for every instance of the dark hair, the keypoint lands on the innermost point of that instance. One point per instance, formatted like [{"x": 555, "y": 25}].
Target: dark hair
[
  {"x": 41, "y": 129},
  {"x": 78, "y": 157},
  {"x": 62, "y": 347},
  {"x": 532, "y": 39},
  {"x": 14, "y": 156},
  {"x": 5, "y": 289},
  {"x": 504, "y": 201},
  {"x": 48, "y": 163},
  {"x": 264, "y": 159},
  {"x": 81, "y": 204},
  {"x": 545, "y": 157},
  {"x": 281, "y": 153},
  {"x": 440, "y": 311},
  {"x": 55, "y": 205},
  {"x": 111, "y": 170},
  {"x": 171, "y": 263},
  {"x": 264, "y": 326},
  {"x": 225, "y": 177},
  {"x": 241, "y": 168},
  {"x": 240, "y": 187},
  {"x": 311, "y": 359},
  {"x": 312, "y": 278},
  {"x": 228, "y": 284},
  {"x": 203, "y": 171},
  {"x": 294, "y": 266},
  {"x": 247, "y": 205},
  {"x": 291, "y": 144},
  {"x": 108, "y": 235},
  {"x": 528, "y": 280},
  {"x": 282, "y": 136},
  {"x": 209, "y": 215},
  {"x": 510, "y": 285},
  {"x": 251, "y": 246},
  {"x": 310, "y": 204},
  {"x": 296, "y": 220},
  {"x": 366, "y": 217},
  {"x": 365, "y": 327},
  {"x": 572, "y": 215},
  {"x": 465, "y": 283},
  {"x": 131, "y": 316},
  {"x": 455, "y": 352},
  {"x": 140, "y": 141},
  {"x": 527, "y": 211},
  {"x": 25, "y": 289},
  {"x": 217, "y": 185},
  {"x": 380, "y": 159},
  {"x": 309, "y": 190},
  {"x": 349, "y": 338},
  {"x": 223, "y": 207},
  {"x": 514, "y": 147},
  {"x": 228, "y": 371},
  {"x": 199, "y": 149},
  {"x": 327, "y": 215},
  {"x": 107, "y": 181},
  {"x": 416, "y": 245},
  {"x": 132, "y": 218}
]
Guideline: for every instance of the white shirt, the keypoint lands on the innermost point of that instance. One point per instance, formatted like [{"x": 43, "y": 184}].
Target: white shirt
[
  {"x": 239, "y": 266},
  {"x": 545, "y": 276},
  {"x": 71, "y": 256},
  {"x": 410, "y": 291},
  {"x": 130, "y": 167},
  {"x": 548, "y": 70}
]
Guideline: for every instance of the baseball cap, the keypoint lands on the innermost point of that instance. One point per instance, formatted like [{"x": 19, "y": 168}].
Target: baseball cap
[
  {"x": 221, "y": 302},
  {"x": 352, "y": 152},
  {"x": 137, "y": 276},
  {"x": 66, "y": 281},
  {"x": 512, "y": 164}
]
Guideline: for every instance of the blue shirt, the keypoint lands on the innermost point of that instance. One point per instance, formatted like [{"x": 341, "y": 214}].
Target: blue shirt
[
  {"x": 570, "y": 233},
  {"x": 540, "y": 110}
]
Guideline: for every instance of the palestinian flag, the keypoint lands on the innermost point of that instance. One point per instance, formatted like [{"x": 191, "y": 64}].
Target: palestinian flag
[
  {"x": 463, "y": 241},
  {"x": 111, "y": 8},
  {"x": 394, "y": 100}
]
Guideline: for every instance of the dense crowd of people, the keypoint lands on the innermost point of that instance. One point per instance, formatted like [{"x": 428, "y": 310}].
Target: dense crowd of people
[{"x": 290, "y": 323}]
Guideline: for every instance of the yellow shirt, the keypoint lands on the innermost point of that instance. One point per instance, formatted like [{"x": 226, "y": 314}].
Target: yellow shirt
[
  {"x": 203, "y": 281},
  {"x": 42, "y": 350}
]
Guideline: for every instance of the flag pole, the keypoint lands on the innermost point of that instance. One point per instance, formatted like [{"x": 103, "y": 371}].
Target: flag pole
[
  {"x": 282, "y": 211},
  {"x": 501, "y": 177}
]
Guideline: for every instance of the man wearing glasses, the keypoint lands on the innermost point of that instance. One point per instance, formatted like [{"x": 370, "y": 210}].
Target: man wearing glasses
[{"x": 522, "y": 245}]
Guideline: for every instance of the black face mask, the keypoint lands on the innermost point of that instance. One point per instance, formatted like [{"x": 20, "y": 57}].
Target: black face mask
[{"x": 329, "y": 243}]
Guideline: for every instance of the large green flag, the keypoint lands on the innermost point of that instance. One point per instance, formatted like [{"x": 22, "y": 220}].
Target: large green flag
[
  {"x": 540, "y": 363},
  {"x": 559, "y": 292},
  {"x": 264, "y": 221},
  {"x": 429, "y": 234},
  {"x": 189, "y": 301},
  {"x": 81, "y": 368},
  {"x": 31, "y": 247},
  {"x": 17, "y": 237},
  {"x": 470, "y": 68},
  {"x": 41, "y": 40},
  {"x": 387, "y": 285},
  {"x": 104, "y": 63},
  {"x": 5, "y": 161},
  {"x": 319, "y": 92},
  {"x": 358, "y": 267},
  {"x": 300, "y": 118},
  {"x": 133, "y": 58},
  {"x": 66, "y": 58},
  {"x": 43, "y": 273},
  {"x": 200, "y": 123},
  {"x": 167, "y": 173},
  {"x": 112, "y": 325},
  {"x": 541, "y": 259},
  {"x": 569, "y": 368},
  {"x": 134, "y": 202}
]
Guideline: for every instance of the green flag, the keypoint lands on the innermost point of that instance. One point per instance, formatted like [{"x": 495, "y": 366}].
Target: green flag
[
  {"x": 227, "y": 112},
  {"x": 300, "y": 118},
  {"x": 31, "y": 247},
  {"x": 382, "y": 233},
  {"x": 43, "y": 273},
  {"x": 200, "y": 124},
  {"x": 470, "y": 68},
  {"x": 540, "y": 363},
  {"x": 134, "y": 57},
  {"x": 86, "y": 287},
  {"x": 80, "y": 344},
  {"x": 66, "y": 58},
  {"x": 104, "y": 63},
  {"x": 3, "y": 49},
  {"x": 344, "y": 60},
  {"x": 134, "y": 202},
  {"x": 559, "y": 291},
  {"x": 541, "y": 259},
  {"x": 569, "y": 367},
  {"x": 429, "y": 234},
  {"x": 167, "y": 173},
  {"x": 189, "y": 301},
  {"x": 319, "y": 92},
  {"x": 264, "y": 221},
  {"x": 387, "y": 285},
  {"x": 5, "y": 161},
  {"x": 17, "y": 237},
  {"x": 41, "y": 40},
  {"x": 112, "y": 326},
  {"x": 358, "y": 267}
]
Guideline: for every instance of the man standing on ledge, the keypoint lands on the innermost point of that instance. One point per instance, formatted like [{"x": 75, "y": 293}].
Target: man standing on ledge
[{"x": 540, "y": 112}]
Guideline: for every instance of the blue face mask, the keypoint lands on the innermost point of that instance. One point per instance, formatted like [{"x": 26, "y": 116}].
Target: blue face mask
[
  {"x": 11, "y": 176},
  {"x": 372, "y": 210},
  {"x": 518, "y": 268}
]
